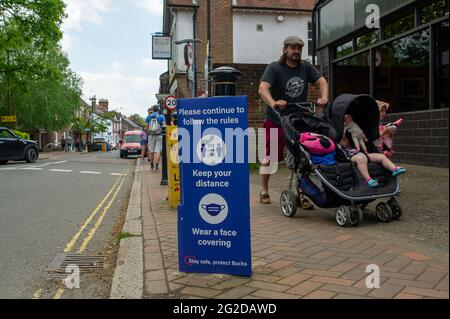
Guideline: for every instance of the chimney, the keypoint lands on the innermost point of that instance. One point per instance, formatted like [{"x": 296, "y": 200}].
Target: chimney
[
  {"x": 93, "y": 101},
  {"x": 104, "y": 103}
]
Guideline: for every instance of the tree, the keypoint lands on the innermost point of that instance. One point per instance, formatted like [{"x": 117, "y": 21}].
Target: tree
[
  {"x": 136, "y": 118},
  {"x": 36, "y": 83}
]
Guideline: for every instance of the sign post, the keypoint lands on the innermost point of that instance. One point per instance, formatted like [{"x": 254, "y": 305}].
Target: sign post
[{"x": 214, "y": 215}]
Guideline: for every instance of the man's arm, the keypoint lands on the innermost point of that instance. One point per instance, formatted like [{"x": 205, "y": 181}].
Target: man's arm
[
  {"x": 324, "y": 91},
  {"x": 264, "y": 92}
]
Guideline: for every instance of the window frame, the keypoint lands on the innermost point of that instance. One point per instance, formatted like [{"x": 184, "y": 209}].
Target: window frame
[{"x": 333, "y": 60}]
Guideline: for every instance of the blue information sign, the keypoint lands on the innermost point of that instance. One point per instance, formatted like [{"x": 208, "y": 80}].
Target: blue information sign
[{"x": 214, "y": 215}]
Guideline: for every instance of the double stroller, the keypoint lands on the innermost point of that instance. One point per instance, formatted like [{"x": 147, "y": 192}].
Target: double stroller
[{"x": 338, "y": 184}]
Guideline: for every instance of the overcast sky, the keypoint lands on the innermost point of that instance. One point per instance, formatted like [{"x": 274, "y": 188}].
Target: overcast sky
[{"x": 109, "y": 45}]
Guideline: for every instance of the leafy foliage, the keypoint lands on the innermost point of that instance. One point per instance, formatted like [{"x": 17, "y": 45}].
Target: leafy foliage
[
  {"x": 22, "y": 135},
  {"x": 36, "y": 83}
]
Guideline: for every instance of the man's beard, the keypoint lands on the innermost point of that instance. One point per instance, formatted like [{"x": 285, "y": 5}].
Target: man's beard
[{"x": 295, "y": 58}]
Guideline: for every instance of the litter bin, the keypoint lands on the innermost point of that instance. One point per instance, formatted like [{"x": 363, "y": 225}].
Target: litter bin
[{"x": 224, "y": 80}]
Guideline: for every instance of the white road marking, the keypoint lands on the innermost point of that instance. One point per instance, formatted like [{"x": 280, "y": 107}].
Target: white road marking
[
  {"x": 61, "y": 170},
  {"x": 32, "y": 169},
  {"x": 87, "y": 172},
  {"x": 46, "y": 164},
  {"x": 61, "y": 162},
  {"x": 8, "y": 169},
  {"x": 118, "y": 174}
]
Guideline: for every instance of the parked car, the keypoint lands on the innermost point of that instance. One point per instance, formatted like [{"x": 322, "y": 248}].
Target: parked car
[
  {"x": 14, "y": 148},
  {"x": 98, "y": 143},
  {"x": 131, "y": 145}
]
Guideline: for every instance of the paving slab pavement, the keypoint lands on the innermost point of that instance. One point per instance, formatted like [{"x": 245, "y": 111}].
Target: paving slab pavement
[{"x": 304, "y": 257}]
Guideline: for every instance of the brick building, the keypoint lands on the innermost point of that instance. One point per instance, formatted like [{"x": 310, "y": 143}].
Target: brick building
[{"x": 244, "y": 34}]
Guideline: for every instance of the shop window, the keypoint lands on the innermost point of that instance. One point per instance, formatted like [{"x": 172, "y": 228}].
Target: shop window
[
  {"x": 402, "y": 73},
  {"x": 352, "y": 75},
  {"x": 442, "y": 65},
  {"x": 399, "y": 26},
  {"x": 433, "y": 11},
  {"x": 367, "y": 39},
  {"x": 310, "y": 38},
  {"x": 344, "y": 49}
]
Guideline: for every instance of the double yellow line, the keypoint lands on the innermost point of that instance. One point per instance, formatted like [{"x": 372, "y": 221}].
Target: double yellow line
[{"x": 71, "y": 244}]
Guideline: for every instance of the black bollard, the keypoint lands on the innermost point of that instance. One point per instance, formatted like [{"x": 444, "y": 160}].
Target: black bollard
[{"x": 224, "y": 81}]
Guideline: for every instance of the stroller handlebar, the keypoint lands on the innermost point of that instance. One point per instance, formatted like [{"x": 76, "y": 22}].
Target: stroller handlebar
[{"x": 306, "y": 106}]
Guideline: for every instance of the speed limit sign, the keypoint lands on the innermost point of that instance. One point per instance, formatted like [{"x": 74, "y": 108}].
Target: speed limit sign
[{"x": 171, "y": 103}]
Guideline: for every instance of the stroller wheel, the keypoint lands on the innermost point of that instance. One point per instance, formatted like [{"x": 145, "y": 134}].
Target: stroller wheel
[
  {"x": 356, "y": 216},
  {"x": 343, "y": 216},
  {"x": 288, "y": 203},
  {"x": 384, "y": 212},
  {"x": 397, "y": 211}
]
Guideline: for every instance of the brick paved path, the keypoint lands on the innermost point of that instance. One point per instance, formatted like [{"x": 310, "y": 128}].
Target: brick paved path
[{"x": 305, "y": 257}]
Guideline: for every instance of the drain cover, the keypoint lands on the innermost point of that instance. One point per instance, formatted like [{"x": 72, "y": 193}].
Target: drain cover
[{"x": 85, "y": 262}]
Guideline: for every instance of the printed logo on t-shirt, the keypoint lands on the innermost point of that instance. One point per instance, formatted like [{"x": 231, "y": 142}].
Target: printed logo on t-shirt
[{"x": 295, "y": 87}]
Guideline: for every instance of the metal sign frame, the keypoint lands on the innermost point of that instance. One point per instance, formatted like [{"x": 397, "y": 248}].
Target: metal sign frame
[{"x": 161, "y": 47}]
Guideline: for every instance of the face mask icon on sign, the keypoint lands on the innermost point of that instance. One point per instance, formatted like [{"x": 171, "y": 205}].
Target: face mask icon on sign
[{"x": 213, "y": 209}]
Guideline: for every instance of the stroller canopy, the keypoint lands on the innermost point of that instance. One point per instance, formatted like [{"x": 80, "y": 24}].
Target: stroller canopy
[{"x": 364, "y": 110}]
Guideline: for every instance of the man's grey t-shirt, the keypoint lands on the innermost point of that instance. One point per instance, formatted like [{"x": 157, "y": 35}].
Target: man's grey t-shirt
[{"x": 289, "y": 84}]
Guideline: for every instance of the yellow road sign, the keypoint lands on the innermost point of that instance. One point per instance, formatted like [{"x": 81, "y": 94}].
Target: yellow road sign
[
  {"x": 9, "y": 119},
  {"x": 173, "y": 171}
]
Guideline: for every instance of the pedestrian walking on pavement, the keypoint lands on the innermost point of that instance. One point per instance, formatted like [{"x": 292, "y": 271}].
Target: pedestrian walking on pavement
[
  {"x": 69, "y": 142},
  {"x": 144, "y": 143},
  {"x": 63, "y": 144},
  {"x": 155, "y": 122},
  {"x": 286, "y": 81}
]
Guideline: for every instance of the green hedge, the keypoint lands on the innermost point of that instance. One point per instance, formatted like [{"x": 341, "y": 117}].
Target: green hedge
[{"x": 22, "y": 135}]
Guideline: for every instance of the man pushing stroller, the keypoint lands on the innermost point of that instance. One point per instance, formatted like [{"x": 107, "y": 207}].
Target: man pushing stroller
[{"x": 286, "y": 81}]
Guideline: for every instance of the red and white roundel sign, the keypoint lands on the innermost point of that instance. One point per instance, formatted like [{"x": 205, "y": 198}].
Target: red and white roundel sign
[{"x": 171, "y": 103}]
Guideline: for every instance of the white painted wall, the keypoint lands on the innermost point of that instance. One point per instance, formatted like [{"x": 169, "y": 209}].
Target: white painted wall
[
  {"x": 181, "y": 29},
  {"x": 256, "y": 47}
]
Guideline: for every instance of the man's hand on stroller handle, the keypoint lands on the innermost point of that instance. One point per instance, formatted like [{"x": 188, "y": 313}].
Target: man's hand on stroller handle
[
  {"x": 323, "y": 101},
  {"x": 280, "y": 105}
]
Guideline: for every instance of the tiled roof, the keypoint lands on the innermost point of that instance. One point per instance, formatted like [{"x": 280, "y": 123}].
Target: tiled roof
[
  {"x": 276, "y": 4},
  {"x": 130, "y": 122}
]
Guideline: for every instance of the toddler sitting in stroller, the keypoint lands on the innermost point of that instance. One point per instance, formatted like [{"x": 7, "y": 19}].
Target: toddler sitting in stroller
[{"x": 361, "y": 159}]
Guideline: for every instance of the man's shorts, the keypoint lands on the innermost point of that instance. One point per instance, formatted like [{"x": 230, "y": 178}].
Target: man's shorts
[
  {"x": 155, "y": 143},
  {"x": 268, "y": 124},
  {"x": 144, "y": 142}
]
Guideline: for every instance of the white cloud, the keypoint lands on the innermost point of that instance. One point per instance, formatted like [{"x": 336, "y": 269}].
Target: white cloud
[
  {"x": 67, "y": 41},
  {"x": 81, "y": 11},
  {"x": 135, "y": 94},
  {"x": 152, "y": 6},
  {"x": 154, "y": 64}
]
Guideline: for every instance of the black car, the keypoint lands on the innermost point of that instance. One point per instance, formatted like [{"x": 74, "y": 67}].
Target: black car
[
  {"x": 98, "y": 143},
  {"x": 13, "y": 148}
]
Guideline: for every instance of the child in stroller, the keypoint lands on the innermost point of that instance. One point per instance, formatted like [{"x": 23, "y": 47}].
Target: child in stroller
[
  {"x": 387, "y": 131},
  {"x": 361, "y": 159},
  {"x": 339, "y": 184}
]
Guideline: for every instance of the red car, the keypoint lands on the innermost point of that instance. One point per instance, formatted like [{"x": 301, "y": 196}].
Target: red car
[{"x": 131, "y": 145}]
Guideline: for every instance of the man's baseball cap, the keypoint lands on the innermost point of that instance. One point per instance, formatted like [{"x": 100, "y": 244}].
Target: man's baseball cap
[{"x": 294, "y": 41}]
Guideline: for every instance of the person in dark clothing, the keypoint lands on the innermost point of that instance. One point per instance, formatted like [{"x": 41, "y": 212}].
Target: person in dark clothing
[{"x": 286, "y": 81}]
